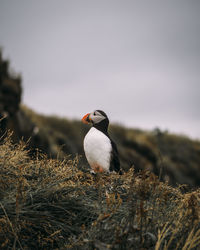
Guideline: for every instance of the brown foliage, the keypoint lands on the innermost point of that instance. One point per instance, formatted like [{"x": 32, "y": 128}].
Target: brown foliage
[{"x": 49, "y": 203}]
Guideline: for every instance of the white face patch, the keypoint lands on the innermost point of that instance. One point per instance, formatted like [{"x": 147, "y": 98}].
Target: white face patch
[{"x": 97, "y": 117}]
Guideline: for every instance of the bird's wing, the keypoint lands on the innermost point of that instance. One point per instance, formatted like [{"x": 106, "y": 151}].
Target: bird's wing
[{"x": 114, "y": 163}]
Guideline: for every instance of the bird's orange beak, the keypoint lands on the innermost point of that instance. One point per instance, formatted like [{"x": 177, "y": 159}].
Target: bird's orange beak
[{"x": 86, "y": 118}]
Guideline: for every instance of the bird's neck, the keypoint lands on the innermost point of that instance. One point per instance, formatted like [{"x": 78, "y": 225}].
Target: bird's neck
[{"x": 102, "y": 126}]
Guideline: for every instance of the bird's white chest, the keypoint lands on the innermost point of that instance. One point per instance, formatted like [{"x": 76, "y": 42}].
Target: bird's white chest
[{"x": 97, "y": 147}]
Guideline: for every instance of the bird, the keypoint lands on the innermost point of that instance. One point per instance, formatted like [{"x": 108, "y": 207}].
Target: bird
[{"x": 100, "y": 150}]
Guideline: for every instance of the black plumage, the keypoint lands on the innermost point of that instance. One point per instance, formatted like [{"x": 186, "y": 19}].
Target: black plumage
[{"x": 102, "y": 126}]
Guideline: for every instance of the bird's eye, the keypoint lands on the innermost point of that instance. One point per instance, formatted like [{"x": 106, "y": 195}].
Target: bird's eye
[{"x": 94, "y": 113}]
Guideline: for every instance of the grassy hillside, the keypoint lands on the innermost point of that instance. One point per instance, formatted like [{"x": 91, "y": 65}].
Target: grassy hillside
[
  {"x": 175, "y": 158},
  {"x": 57, "y": 204},
  {"x": 50, "y": 200}
]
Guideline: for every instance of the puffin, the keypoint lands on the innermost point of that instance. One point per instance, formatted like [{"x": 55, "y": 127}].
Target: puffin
[{"x": 100, "y": 150}]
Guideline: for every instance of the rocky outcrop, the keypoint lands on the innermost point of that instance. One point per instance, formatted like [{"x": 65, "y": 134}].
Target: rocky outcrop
[
  {"x": 10, "y": 95},
  {"x": 11, "y": 116}
]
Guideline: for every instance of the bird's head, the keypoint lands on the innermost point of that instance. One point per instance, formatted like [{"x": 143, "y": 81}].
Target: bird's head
[{"x": 98, "y": 119}]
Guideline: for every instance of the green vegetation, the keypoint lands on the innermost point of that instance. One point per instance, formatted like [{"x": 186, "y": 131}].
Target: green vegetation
[{"x": 57, "y": 204}]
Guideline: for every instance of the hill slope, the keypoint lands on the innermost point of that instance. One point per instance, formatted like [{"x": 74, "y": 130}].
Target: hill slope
[
  {"x": 176, "y": 158},
  {"x": 53, "y": 204}
]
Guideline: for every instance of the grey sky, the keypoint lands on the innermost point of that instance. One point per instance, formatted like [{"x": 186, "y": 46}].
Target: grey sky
[{"x": 139, "y": 61}]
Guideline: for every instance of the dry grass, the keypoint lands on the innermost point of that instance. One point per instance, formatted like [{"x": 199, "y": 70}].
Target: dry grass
[
  {"x": 178, "y": 156},
  {"x": 52, "y": 204}
]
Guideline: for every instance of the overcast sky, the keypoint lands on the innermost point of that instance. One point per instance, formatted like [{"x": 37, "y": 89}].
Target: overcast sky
[{"x": 139, "y": 61}]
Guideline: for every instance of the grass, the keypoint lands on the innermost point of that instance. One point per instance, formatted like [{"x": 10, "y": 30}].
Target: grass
[
  {"x": 57, "y": 204},
  {"x": 177, "y": 156}
]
